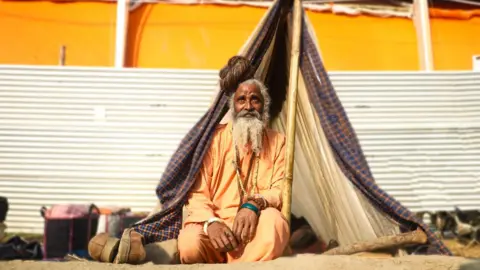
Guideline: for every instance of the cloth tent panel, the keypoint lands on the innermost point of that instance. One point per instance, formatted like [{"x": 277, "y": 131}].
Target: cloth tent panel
[
  {"x": 185, "y": 163},
  {"x": 321, "y": 193},
  {"x": 346, "y": 147}
]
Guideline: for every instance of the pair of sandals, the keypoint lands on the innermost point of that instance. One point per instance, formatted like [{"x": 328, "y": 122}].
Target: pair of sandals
[{"x": 129, "y": 249}]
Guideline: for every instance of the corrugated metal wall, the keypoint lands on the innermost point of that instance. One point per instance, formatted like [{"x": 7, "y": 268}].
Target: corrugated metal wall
[
  {"x": 104, "y": 135},
  {"x": 420, "y": 133},
  {"x": 91, "y": 135}
]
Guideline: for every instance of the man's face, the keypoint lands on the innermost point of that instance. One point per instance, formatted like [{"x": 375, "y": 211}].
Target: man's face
[{"x": 248, "y": 101}]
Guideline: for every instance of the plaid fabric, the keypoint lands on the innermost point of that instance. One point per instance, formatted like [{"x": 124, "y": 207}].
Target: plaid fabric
[
  {"x": 180, "y": 173},
  {"x": 346, "y": 148}
]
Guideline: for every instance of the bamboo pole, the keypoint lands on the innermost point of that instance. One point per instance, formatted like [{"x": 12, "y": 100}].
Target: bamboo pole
[
  {"x": 417, "y": 237},
  {"x": 421, "y": 21},
  {"x": 121, "y": 31},
  {"x": 292, "y": 106}
]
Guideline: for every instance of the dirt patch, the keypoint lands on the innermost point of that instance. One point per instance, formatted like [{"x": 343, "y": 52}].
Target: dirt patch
[
  {"x": 304, "y": 262},
  {"x": 461, "y": 250}
]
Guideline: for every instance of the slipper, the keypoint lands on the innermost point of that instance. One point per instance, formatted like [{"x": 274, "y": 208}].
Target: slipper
[
  {"x": 103, "y": 248},
  {"x": 131, "y": 249}
]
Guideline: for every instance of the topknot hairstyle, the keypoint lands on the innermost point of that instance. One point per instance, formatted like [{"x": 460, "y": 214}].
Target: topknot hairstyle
[{"x": 237, "y": 70}]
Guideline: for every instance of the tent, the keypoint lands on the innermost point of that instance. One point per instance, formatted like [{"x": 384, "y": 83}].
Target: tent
[{"x": 333, "y": 187}]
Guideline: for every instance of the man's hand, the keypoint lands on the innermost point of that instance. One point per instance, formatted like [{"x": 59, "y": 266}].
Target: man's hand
[
  {"x": 245, "y": 225},
  {"x": 221, "y": 237}
]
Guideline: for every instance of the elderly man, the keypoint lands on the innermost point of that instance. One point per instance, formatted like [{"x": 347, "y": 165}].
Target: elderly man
[{"x": 234, "y": 207}]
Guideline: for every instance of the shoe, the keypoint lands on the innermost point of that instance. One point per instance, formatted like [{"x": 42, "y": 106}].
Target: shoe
[
  {"x": 103, "y": 248},
  {"x": 131, "y": 249}
]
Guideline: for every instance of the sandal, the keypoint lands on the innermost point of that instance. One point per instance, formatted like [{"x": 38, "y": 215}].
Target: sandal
[
  {"x": 131, "y": 249},
  {"x": 103, "y": 248}
]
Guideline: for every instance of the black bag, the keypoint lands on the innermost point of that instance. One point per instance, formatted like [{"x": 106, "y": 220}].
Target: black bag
[
  {"x": 64, "y": 234},
  {"x": 3, "y": 208},
  {"x": 17, "y": 248}
]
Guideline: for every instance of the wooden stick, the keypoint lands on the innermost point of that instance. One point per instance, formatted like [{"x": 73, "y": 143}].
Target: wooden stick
[
  {"x": 292, "y": 106},
  {"x": 384, "y": 242}
]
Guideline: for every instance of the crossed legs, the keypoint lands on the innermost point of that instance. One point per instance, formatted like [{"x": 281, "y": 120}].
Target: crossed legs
[{"x": 271, "y": 239}]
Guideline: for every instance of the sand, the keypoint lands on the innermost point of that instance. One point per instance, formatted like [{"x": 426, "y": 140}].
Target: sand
[
  {"x": 302, "y": 262},
  {"x": 461, "y": 250}
]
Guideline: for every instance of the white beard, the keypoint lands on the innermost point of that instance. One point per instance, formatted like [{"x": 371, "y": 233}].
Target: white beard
[{"x": 248, "y": 130}]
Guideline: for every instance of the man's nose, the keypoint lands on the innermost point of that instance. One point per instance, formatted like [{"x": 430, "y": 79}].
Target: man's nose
[{"x": 248, "y": 106}]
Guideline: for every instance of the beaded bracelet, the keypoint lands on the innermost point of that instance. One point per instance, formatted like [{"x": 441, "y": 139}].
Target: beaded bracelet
[{"x": 251, "y": 207}]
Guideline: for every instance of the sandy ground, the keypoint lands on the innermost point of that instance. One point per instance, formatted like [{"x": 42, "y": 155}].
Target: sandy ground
[
  {"x": 462, "y": 250},
  {"x": 303, "y": 262}
]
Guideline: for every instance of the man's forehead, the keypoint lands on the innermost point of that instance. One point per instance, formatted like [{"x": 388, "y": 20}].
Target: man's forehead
[{"x": 249, "y": 88}]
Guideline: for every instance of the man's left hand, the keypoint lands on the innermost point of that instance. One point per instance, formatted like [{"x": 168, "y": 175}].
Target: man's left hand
[{"x": 245, "y": 225}]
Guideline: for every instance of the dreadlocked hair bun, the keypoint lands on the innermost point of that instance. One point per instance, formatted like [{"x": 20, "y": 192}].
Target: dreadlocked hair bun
[{"x": 237, "y": 70}]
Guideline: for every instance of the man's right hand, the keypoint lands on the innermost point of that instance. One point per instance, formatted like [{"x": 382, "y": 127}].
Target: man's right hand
[{"x": 221, "y": 237}]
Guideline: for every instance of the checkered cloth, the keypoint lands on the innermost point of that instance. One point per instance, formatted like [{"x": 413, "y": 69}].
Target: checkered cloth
[{"x": 185, "y": 163}]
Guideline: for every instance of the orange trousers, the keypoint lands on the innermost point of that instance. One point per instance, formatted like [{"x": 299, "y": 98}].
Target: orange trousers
[{"x": 271, "y": 239}]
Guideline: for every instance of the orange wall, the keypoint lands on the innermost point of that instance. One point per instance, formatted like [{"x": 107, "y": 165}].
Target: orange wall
[
  {"x": 205, "y": 36},
  {"x": 197, "y": 36},
  {"x": 454, "y": 42},
  {"x": 365, "y": 43},
  {"x": 33, "y": 32}
]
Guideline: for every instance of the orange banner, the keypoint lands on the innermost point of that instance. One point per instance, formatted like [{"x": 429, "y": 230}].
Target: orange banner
[{"x": 205, "y": 36}]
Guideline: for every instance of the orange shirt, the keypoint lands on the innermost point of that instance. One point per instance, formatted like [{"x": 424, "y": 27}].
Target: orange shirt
[{"x": 216, "y": 192}]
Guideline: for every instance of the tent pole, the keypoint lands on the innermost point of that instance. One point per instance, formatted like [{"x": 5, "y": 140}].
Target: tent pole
[
  {"x": 292, "y": 106},
  {"x": 421, "y": 20},
  {"x": 121, "y": 29}
]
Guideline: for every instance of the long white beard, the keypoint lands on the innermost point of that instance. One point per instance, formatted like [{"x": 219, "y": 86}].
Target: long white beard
[{"x": 248, "y": 130}]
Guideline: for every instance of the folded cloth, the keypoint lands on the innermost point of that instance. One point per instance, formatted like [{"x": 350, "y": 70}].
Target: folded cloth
[{"x": 16, "y": 248}]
